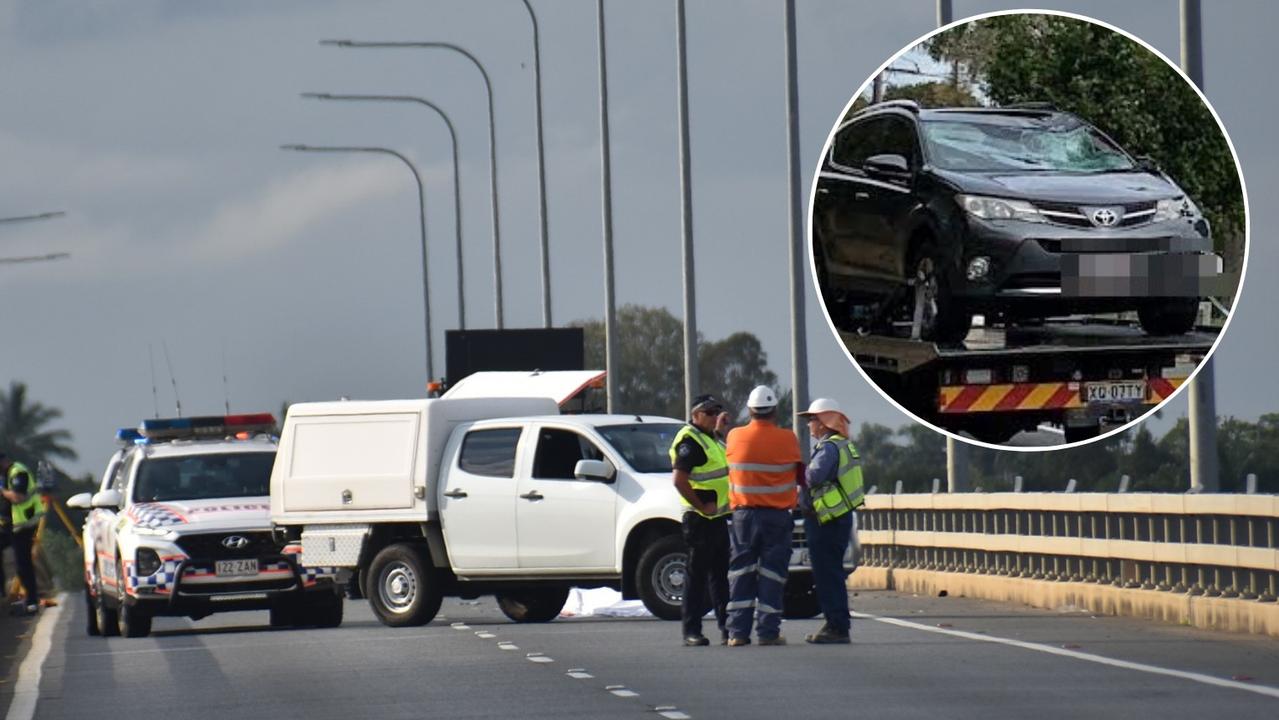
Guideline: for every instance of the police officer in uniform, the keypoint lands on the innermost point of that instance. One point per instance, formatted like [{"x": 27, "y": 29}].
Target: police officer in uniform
[
  {"x": 20, "y": 509},
  {"x": 700, "y": 473},
  {"x": 834, "y": 490}
]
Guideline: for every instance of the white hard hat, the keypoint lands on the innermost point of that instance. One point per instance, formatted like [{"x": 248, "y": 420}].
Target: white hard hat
[
  {"x": 761, "y": 398},
  {"x": 821, "y": 405}
]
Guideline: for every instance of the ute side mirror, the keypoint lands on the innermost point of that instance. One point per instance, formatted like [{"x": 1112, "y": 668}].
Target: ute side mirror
[
  {"x": 1145, "y": 163},
  {"x": 891, "y": 165},
  {"x": 600, "y": 470},
  {"x": 107, "y": 499},
  {"x": 80, "y": 501}
]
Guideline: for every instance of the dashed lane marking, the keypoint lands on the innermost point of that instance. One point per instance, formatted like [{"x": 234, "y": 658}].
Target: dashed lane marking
[
  {"x": 621, "y": 691},
  {"x": 538, "y": 658},
  {"x": 460, "y": 626},
  {"x": 507, "y": 645},
  {"x": 578, "y": 673},
  {"x": 484, "y": 635},
  {"x": 672, "y": 713},
  {"x": 1088, "y": 657}
]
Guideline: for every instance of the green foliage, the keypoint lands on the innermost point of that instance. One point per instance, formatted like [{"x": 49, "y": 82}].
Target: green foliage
[
  {"x": 62, "y": 556},
  {"x": 933, "y": 94},
  {"x": 1117, "y": 85},
  {"x": 650, "y": 364},
  {"x": 23, "y": 432}
]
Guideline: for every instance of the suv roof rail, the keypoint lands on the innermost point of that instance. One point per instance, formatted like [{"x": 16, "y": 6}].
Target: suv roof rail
[{"x": 1036, "y": 105}]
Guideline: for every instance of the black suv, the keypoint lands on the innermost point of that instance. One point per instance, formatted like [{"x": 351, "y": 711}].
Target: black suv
[{"x": 1017, "y": 213}]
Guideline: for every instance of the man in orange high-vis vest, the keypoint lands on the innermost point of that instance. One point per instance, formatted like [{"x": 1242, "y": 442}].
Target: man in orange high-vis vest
[{"x": 763, "y": 470}]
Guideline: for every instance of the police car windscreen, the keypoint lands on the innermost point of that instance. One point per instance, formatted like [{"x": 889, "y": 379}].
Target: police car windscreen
[
  {"x": 644, "y": 446},
  {"x": 199, "y": 477}
]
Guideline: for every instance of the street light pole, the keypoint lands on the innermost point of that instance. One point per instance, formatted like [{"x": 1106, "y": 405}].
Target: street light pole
[
  {"x": 799, "y": 339},
  {"x": 421, "y": 198},
  {"x": 686, "y": 211},
  {"x": 541, "y": 172},
  {"x": 457, "y": 183},
  {"x": 488, "y": 86},
  {"x": 29, "y": 218},
  {"x": 606, "y": 194}
]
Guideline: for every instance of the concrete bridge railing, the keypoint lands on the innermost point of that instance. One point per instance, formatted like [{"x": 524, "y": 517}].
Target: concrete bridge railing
[{"x": 1156, "y": 555}]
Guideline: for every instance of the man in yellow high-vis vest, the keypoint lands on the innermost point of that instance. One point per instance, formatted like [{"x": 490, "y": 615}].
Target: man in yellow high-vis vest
[
  {"x": 700, "y": 472},
  {"x": 24, "y": 507},
  {"x": 834, "y": 480}
]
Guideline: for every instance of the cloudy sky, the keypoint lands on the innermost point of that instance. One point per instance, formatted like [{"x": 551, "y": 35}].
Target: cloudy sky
[{"x": 154, "y": 124}]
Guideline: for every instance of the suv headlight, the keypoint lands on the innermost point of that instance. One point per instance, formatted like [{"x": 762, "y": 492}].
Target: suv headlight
[
  {"x": 148, "y": 561},
  {"x": 992, "y": 208},
  {"x": 1173, "y": 208}
]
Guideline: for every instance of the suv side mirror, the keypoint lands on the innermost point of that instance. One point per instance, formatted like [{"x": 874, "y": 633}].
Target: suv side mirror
[
  {"x": 600, "y": 470},
  {"x": 107, "y": 499},
  {"x": 888, "y": 164},
  {"x": 80, "y": 501}
]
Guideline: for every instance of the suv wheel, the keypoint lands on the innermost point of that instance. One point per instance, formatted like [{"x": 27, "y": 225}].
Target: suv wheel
[
  {"x": 943, "y": 319},
  {"x": 533, "y": 606},
  {"x": 91, "y": 613},
  {"x": 134, "y": 622},
  {"x": 104, "y": 617},
  {"x": 661, "y": 576},
  {"x": 402, "y": 586},
  {"x": 323, "y": 609},
  {"x": 836, "y": 307},
  {"x": 1171, "y": 317},
  {"x": 799, "y": 598}
]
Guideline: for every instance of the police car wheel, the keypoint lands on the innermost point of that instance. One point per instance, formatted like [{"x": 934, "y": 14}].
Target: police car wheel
[
  {"x": 661, "y": 574},
  {"x": 281, "y": 616},
  {"x": 323, "y": 609},
  {"x": 800, "y": 599},
  {"x": 106, "y": 616},
  {"x": 134, "y": 621},
  {"x": 402, "y": 586},
  {"x": 90, "y": 614},
  {"x": 530, "y": 606}
]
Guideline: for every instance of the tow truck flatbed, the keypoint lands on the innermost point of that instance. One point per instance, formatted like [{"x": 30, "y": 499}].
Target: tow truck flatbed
[{"x": 1076, "y": 373}]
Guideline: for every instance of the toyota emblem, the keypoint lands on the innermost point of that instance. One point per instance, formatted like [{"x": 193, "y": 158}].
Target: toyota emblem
[
  {"x": 235, "y": 542},
  {"x": 1104, "y": 217}
]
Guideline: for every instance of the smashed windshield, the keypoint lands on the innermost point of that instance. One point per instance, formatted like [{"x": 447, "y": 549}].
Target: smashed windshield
[
  {"x": 644, "y": 446},
  {"x": 201, "y": 477},
  {"x": 1001, "y": 146}
]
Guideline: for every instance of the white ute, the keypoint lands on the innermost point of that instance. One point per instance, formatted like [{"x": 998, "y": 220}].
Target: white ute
[{"x": 428, "y": 498}]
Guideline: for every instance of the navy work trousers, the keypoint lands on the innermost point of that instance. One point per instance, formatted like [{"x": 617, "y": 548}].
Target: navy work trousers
[
  {"x": 706, "y": 585},
  {"x": 757, "y": 570},
  {"x": 826, "y": 546}
]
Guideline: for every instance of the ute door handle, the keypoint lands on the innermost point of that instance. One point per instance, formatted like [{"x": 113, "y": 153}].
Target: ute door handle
[
  {"x": 455, "y": 493},
  {"x": 861, "y": 196},
  {"x": 532, "y": 495},
  {"x": 823, "y": 191}
]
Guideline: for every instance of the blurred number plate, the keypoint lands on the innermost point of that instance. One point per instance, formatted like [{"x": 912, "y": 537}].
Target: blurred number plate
[
  {"x": 1115, "y": 392},
  {"x": 236, "y": 568}
]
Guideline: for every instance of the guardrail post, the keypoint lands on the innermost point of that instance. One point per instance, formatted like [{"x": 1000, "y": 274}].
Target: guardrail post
[
  {"x": 1251, "y": 484},
  {"x": 1017, "y": 483},
  {"x": 937, "y": 485},
  {"x": 1124, "y": 482},
  {"x": 1070, "y": 485},
  {"x": 898, "y": 490}
]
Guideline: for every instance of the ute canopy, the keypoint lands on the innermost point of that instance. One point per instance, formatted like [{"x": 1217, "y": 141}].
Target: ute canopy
[{"x": 559, "y": 385}]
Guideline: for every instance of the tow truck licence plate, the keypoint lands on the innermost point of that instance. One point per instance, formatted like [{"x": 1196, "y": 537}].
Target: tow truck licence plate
[
  {"x": 1104, "y": 392},
  {"x": 235, "y": 568}
]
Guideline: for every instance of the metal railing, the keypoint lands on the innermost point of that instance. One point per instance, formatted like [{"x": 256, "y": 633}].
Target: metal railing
[{"x": 1213, "y": 545}]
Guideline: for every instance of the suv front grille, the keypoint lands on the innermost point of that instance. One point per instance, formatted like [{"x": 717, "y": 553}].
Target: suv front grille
[
  {"x": 208, "y": 546},
  {"x": 1138, "y": 213}
]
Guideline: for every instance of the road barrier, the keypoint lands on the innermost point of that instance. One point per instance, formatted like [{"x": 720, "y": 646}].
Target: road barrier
[{"x": 1141, "y": 546}]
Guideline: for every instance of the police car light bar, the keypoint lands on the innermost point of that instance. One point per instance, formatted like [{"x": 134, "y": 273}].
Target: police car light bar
[
  {"x": 206, "y": 427},
  {"x": 127, "y": 435}
]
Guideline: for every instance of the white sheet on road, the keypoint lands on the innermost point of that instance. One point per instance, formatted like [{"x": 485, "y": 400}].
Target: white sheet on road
[{"x": 601, "y": 602}]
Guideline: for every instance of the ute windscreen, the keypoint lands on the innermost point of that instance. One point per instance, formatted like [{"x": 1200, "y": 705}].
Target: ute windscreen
[{"x": 645, "y": 446}]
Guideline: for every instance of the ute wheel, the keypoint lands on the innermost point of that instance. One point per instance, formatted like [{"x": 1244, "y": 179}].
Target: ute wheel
[
  {"x": 402, "y": 586},
  {"x": 323, "y": 609},
  {"x": 533, "y": 606},
  {"x": 90, "y": 614},
  {"x": 134, "y": 622},
  {"x": 943, "y": 319},
  {"x": 661, "y": 575},
  {"x": 1172, "y": 317},
  {"x": 799, "y": 601}
]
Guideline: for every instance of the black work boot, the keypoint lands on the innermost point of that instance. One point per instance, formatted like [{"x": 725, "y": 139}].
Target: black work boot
[
  {"x": 828, "y": 636},
  {"x": 696, "y": 640}
]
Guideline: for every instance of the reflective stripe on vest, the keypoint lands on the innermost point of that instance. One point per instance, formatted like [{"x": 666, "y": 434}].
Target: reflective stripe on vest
[
  {"x": 762, "y": 460},
  {"x": 34, "y": 504},
  {"x": 836, "y": 498},
  {"x": 711, "y": 475}
]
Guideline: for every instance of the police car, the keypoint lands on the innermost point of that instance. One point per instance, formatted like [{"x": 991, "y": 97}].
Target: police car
[{"x": 180, "y": 526}]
